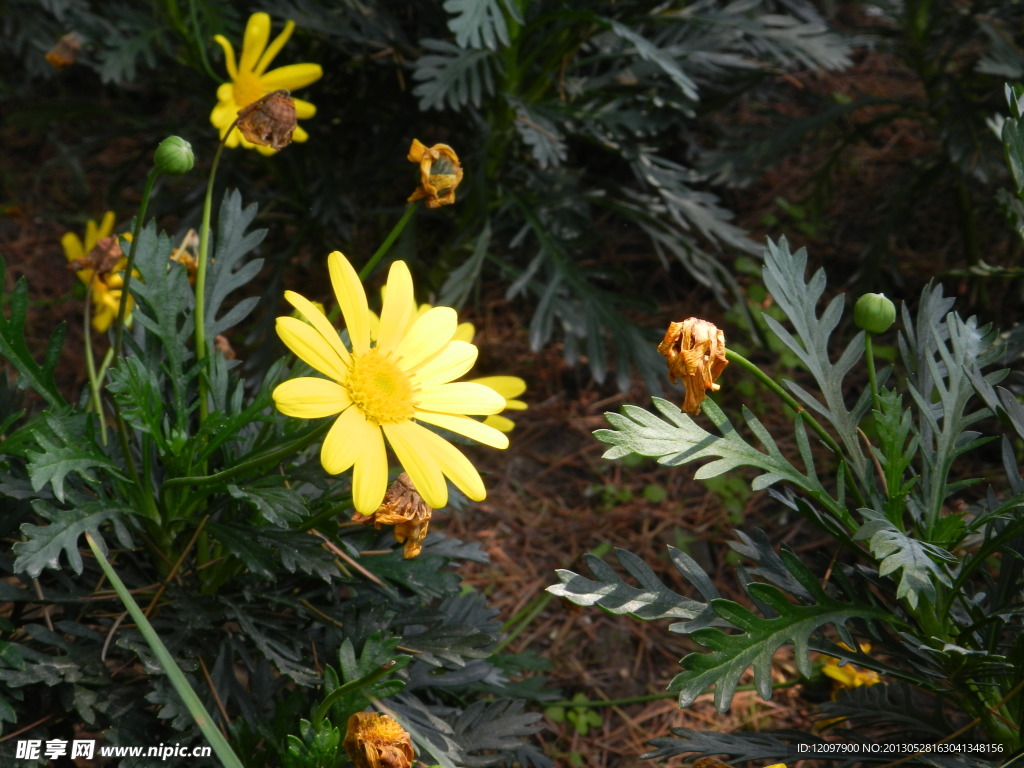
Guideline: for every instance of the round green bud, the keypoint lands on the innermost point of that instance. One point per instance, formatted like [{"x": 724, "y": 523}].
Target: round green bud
[
  {"x": 874, "y": 313},
  {"x": 173, "y": 156}
]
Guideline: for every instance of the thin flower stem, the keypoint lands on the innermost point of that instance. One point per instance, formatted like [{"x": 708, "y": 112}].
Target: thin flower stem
[
  {"x": 788, "y": 399},
  {"x": 122, "y": 307},
  {"x": 90, "y": 363},
  {"x": 388, "y": 242},
  {"x": 202, "y": 718},
  {"x": 204, "y": 249},
  {"x": 869, "y": 356}
]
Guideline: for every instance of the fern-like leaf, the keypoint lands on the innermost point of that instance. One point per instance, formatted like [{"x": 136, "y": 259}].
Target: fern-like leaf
[
  {"x": 480, "y": 23},
  {"x": 730, "y": 656},
  {"x": 899, "y": 552},
  {"x": 450, "y": 76}
]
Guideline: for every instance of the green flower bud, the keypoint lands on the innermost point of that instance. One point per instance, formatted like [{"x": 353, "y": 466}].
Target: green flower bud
[
  {"x": 874, "y": 313},
  {"x": 173, "y": 156}
]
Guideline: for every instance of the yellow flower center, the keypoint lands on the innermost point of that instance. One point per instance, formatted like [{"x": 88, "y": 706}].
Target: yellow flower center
[
  {"x": 248, "y": 88},
  {"x": 379, "y": 388}
]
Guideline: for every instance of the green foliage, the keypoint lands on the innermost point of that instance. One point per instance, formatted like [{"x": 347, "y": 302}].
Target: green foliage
[
  {"x": 950, "y": 62},
  {"x": 227, "y": 537},
  {"x": 909, "y": 574}
]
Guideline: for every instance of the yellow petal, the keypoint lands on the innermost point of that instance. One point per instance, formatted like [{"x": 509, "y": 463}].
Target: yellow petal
[
  {"x": 310, "y": 398},
  {"x": 465, "y": 332},
  {"x": 303, "y": 109},
  {"x": 311, "y": 348},
  {"x": 72, "y": 245},
  {"x": 257, "y": 32},
  {"x": 447, "y": 365},
  {"x": 106, "y": 226},
  {"x": 292, "y": 77},
  {"x": 465, "y": 426},
  {"x": 427, "y": 336},
  {"x": 341, "y": 448},
  {"x": 506, "y": 386},
  {"x": 461, "y": 397},
  {"x": 413, "y": 448},
  {"x": 457, "y": 467},
  {"x": 275, "y": 47},
  {"x": 500, "y": 423},
  {"x": 320, "y": 322},
  {"x": 370, "y": 477},
  {"x": 352, "y": 300},
  {"x": 229, "y": 55},
  {"x": 398, "y": 309}
]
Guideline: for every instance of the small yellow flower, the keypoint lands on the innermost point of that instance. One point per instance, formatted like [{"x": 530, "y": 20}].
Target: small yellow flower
[
  {"x": 103, "y": 278},
  {"x": 250, "y": 80},
  {"x": 388, "y": 389},
  {"x": 405, "y": 509},
  {"x": 695, "y": 351},
  {"x": 850, "y": 675},
  {"x": 376, "y": 741},
  {"x": 440, "y": 173}
]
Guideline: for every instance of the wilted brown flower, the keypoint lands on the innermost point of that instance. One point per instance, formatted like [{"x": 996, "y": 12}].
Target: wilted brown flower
[
  {"x": 374, "y": 740},
  {"x": 405, "y": 509},
  {"x": 695, "y": 351},
  {"x": 440, "y": 173},
  {"x": 104, "y": 257},
  {"x": 65, "y": 52},
  {"x": 269, "y": 121}
]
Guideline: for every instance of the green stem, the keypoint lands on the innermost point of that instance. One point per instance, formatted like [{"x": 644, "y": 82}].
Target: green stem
[
  {"x": 388, "y": 242},
  {"x": 90, "y": 363},
  {"x": 220, "y": 745},
  {"x": 788, "y": 399},
  {"x": 204, "y": 249},
  {"x": 122, "y": 307},
  {"x": 869, "y": 356},
  {"x": 337, "y": 693}
]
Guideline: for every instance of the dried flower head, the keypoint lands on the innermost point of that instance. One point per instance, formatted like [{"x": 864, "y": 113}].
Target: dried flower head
[
  {"x": 695, "y": 351},
  {"x": 405, "y": 509},
  {"x": 187, "y": 254},
  {"x": 440, "y": 173},
  {"x": 374, "y": 740},
  {"x": 65, "y": 52},
  {"x": 269, "y": 121},
  {"x": 104, "y": 257}
]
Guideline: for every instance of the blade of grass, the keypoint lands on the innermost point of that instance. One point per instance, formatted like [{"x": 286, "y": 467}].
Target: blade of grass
[{"x": 221, "y": 748}]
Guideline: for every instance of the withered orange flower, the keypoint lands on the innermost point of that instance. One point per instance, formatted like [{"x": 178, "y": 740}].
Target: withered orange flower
[
  {"x": 374, "y": 740},
  {"x": 405, "y": 509},
  {"x": 269, "y": 121},
  {"x": 440, "y": 173},
  {"x": 695, "y": 351},
  {"x": 66, "y": 51}
]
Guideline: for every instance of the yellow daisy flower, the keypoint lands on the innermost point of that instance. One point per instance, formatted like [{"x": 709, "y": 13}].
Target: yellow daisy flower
[
  {"x": 105, "y": 285},
  {"x": 250, "y": 80},
  {"x": 388, "y": 389}
]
